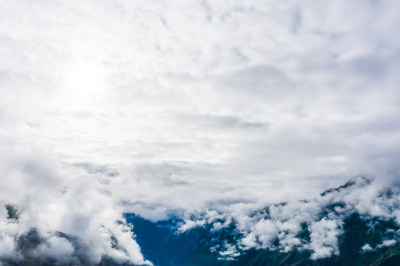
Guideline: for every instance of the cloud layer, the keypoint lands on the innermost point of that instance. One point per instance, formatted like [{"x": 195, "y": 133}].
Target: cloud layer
[
  {"x": 313, "y": 224},
  {"x": 59, "y": 212},
  {"x": 177, "y": 107}
]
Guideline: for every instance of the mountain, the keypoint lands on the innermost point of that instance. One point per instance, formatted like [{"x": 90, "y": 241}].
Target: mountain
[
  {"x": 162, "y": 245},
  {"x": 340, "y": 226},
  {"x": 362, "y": 239}
]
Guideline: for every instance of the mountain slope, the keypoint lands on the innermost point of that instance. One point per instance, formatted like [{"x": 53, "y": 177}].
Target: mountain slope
[
  {"x": 331, "y": 229},
  {"x": 338, "y": 227},
  {"x": 164, "y": 246}
]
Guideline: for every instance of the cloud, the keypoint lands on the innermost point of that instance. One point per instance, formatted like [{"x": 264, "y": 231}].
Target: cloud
[
  {"x": 59, "y": 212},
  {"x": 174, "y": 107},
  {"x": 57, "y": 248},
  {"x": 324, "y": 235},
  {"x": 314, "y": 224}
]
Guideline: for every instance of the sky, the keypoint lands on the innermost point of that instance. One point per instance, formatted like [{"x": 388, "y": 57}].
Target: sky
[{"x": 169, "y": 108}]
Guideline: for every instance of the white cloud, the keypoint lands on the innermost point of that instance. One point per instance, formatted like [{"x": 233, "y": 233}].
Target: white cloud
[
  {"x": 387, "y": 243},
  {"x": 196, "y": 105},
  {"x": 57, "y": 248},
  {"x": 60, "y": 212},
  {"x": 324, "y": 238},
  {"x": 367, "y": 248},
  {"x": 311, "y": 224}
]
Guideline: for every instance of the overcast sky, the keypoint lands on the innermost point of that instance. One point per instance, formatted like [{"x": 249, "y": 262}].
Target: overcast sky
[{"x": 175, "y": 107}]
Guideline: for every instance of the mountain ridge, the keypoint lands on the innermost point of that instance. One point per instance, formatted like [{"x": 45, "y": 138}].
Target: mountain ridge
[{"x": 216, "y": 238}]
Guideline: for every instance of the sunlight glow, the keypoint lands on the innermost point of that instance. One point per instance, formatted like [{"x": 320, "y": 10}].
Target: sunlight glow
[{"x": 84, "y": 84}]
